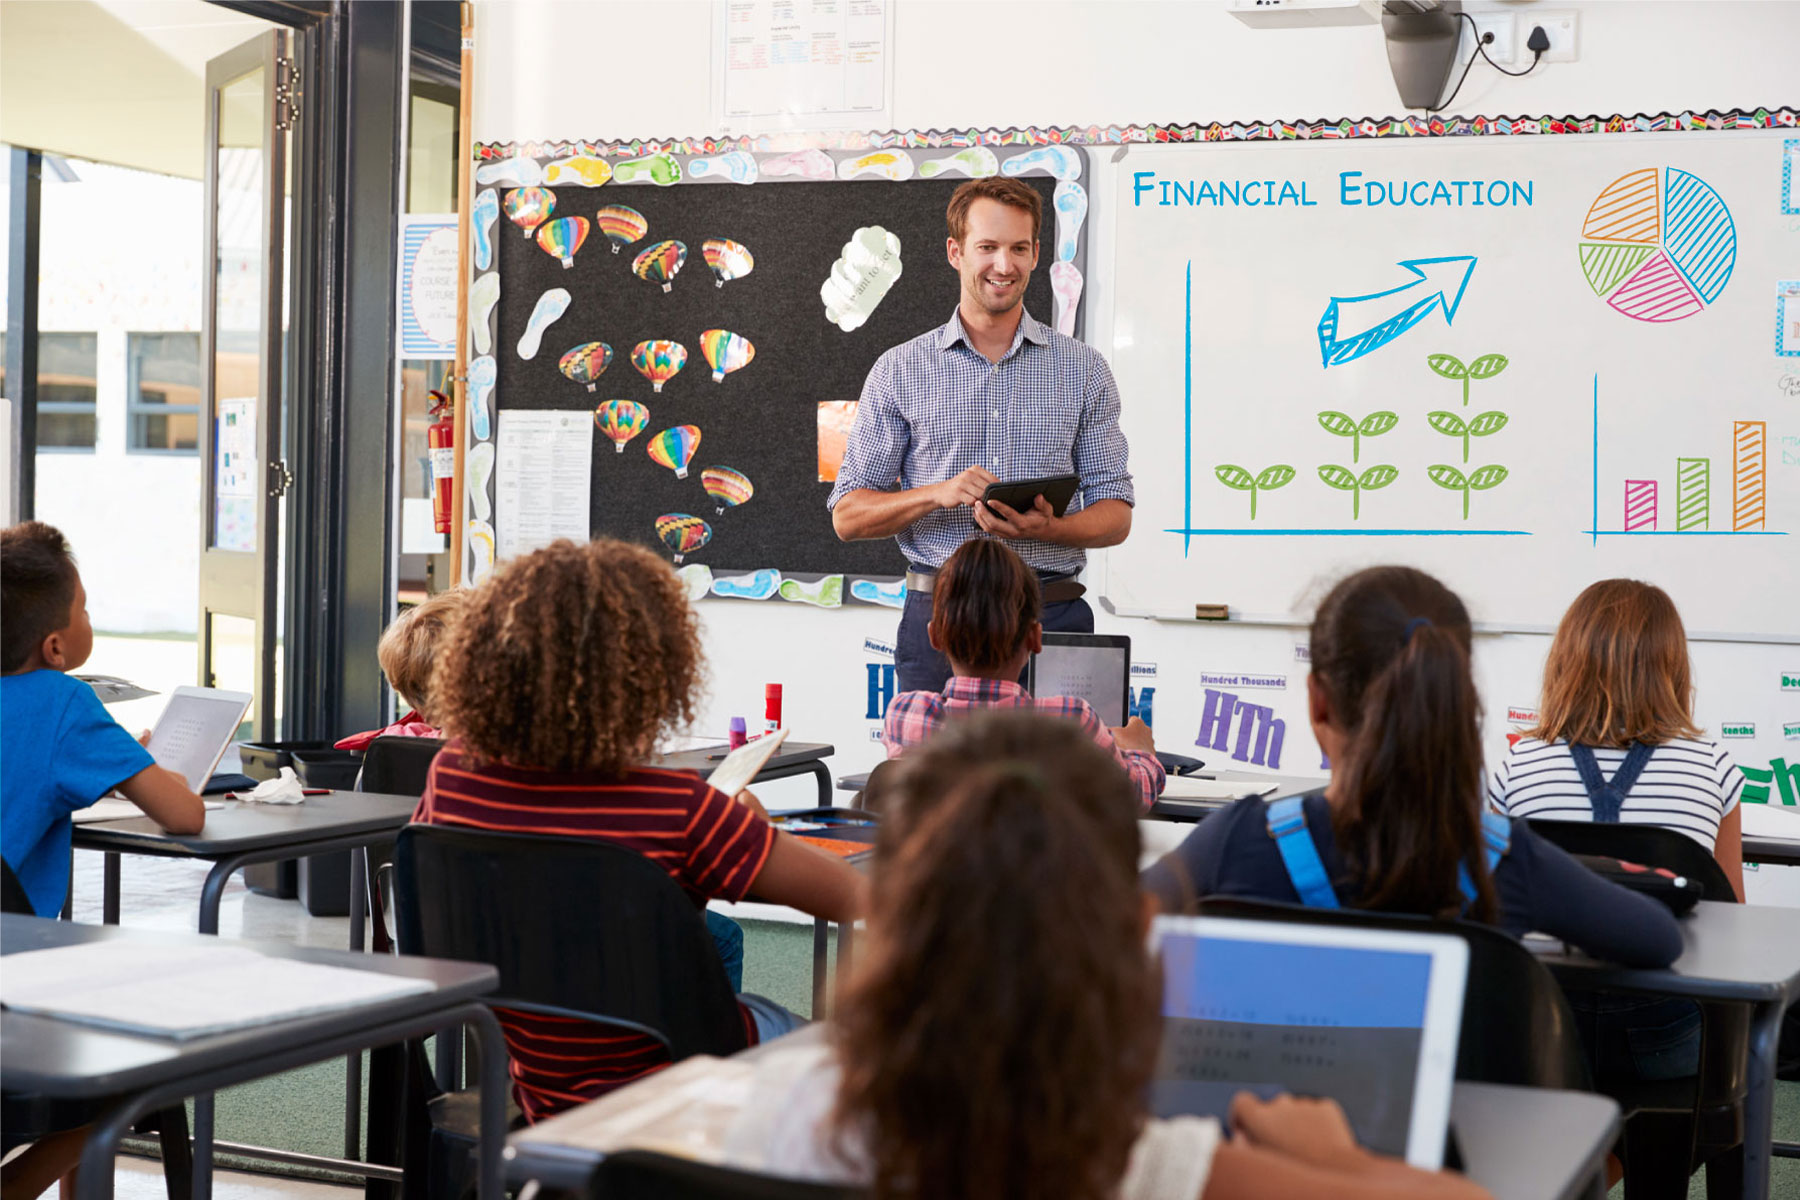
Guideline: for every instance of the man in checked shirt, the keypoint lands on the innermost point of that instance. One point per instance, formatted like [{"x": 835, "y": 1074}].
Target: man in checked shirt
[{"x": 993, "y": 394}]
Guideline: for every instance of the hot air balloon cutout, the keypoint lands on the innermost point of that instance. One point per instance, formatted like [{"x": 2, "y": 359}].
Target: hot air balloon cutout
[
  {"x": 727, "y": 259},
  {"x": 620, "y": 421},
  {"x": 529, "y": 207},
  {"x": 728, "y": 486},
  {"x": 658, "y": 361},
  {"x": 683, "y": 533},
  {"x": 725, "y": 352},
  {"x": 586, "y": 363},
  {"x": 622, "y": 225},
  {"x": 674, "y": 448},
  {"x": 660, "y": 262},
  {"x": 562, "y": 237}
]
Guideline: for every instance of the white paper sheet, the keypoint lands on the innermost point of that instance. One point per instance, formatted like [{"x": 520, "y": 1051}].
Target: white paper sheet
[
  {"x": 543, "y": 473},
  {"x": 815, "y": 64}
]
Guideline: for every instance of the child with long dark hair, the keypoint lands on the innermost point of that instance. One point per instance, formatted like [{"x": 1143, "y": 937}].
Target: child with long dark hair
[
  {"x": 1400, "y": 827},
  {"x": 1001, "y": 1027}
]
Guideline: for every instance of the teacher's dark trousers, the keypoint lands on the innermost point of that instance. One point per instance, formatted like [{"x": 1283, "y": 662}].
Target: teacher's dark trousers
[{"x": 919, "y": 668}]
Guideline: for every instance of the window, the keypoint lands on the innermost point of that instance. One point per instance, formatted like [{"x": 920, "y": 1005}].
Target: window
[
  {"x": 162, "y": 392},
  {"x": 67, "y": 364}
]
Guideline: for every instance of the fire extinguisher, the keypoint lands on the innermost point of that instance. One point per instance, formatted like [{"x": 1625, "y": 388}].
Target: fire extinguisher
[{"x": 442, "y": 434}]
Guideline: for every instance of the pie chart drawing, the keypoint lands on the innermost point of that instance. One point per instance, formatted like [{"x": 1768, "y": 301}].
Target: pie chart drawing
[{"x": 1658, "y": 245}]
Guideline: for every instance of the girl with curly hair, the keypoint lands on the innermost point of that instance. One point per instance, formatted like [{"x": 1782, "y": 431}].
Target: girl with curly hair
[
  {"x": 1002, "y": 1025},
  {"x": 562, "y": 676}
]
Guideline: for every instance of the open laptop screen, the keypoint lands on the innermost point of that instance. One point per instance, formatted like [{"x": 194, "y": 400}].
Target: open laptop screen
[
  {"x": 1095, "y": 667},
  {"x": 1368, "y": 1017}
]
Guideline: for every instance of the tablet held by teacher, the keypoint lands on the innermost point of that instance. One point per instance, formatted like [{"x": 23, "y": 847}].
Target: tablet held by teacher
[{"x": 992, "y": 397}]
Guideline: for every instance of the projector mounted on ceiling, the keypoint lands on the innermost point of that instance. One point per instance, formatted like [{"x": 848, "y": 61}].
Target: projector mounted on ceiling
[{"x": 1292, "y": 14}]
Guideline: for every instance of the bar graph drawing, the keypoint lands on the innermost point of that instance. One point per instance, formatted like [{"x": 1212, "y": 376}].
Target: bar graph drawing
[{"x": 1640, "y": 514}]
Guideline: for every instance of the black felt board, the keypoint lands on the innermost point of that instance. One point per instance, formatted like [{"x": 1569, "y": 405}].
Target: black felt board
[{"x": 763, "y": 418}]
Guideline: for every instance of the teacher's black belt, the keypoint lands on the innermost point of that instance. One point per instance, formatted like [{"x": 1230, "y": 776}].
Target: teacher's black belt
[{"x": 1057, "y": 589}]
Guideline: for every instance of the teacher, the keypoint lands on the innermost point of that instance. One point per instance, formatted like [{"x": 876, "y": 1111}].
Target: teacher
[{"x": 992, "y": 395}]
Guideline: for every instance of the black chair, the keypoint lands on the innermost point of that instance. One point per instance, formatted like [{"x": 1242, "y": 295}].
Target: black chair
[
  {"x": 398, "y": 766},
  {"x": 1675, "y": 1127},
  {"x": 870, "y": 798},
  {"x": 26, "y": 1118},
  {"x": 577, "y": 928},
  {"x": 647, "y": 1175},
  {"x": 1517, "y": 1027}
]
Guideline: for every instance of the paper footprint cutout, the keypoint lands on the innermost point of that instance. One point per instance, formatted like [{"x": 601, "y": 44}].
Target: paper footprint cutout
[
  {"x": 583, "y": 170},
  {"x": 487, "y": 212},
  {"x": 809, "y": 164},
  {"x": 758, "y": 585},
  {"x": 480, "y": 562},
  {"x": 1071, "y": 204},
  {"x": 888, "y": 595},
  {"x": 1059, "y": 161},
  {"x": 551, "y": 305},
  {"x": 660, "y": 169},
  {"x": 479, "y": 466},
  {"x": 738, "y": 167},
  {"x": 514, "y": 172},
  {"x": 825, "y": 593},
  {"x": 883, "y": 164},
  {"x": 977, "y": 162},
  {"x": 484, "y": 293},
  {"x": 697, "y": 578},
  {"x": 481, "y": 385},
  {"x": 1065, "y": 285}
]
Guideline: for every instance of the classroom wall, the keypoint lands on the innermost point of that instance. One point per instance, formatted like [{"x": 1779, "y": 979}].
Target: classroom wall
[{"x": 971, "y": 64}]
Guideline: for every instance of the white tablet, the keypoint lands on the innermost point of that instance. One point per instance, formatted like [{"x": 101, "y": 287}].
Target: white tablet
[
  {"x": 1369, "y": 1017},
  {"x": 195, "y": 727}
]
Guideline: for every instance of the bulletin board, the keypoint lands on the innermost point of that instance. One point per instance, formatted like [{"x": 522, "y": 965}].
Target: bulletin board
[{"x": 770, "y": 390}]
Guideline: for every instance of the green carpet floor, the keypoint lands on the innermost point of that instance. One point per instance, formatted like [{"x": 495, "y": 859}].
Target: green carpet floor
[{"x": 304, "y": 1110}]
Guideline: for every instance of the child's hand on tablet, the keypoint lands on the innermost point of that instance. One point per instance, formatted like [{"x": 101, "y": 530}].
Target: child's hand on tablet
[
  {"x": 1312, "y": 1130},
  {"x": 1134, "y": 735},
  {"x": 748, "y": 799}
]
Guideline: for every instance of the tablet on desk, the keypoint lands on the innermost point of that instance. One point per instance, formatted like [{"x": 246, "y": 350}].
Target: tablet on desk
[
  {"x": 191, "y": 735},
  {"x": 1095, "y": 667},
  {"x": 1021, "y": 494},
  {"x": 1243, "y": 1010}
]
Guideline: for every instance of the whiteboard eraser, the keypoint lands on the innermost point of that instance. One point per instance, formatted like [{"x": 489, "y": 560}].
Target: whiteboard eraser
[{"x": 1212, "y": 612}]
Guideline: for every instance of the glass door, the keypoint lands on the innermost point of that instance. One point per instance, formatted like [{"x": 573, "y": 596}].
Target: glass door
[{"x": 249, "y": 110}]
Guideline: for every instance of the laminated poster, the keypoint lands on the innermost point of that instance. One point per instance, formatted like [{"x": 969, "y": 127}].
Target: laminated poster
[
  {"x": 542, "y": 475},
  {"x": 781, "y": 65}
]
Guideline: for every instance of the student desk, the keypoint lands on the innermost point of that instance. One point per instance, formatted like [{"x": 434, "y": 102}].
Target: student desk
[
  {"x": 134, "y": 1075},
  {"x": 1519, "y": 1143},
  {"x": 243, "y": 834},
  {"x": 794, "y": 758},
  {"x": 1170, "y": 807},
  {"x": 1738, "y": 952}
]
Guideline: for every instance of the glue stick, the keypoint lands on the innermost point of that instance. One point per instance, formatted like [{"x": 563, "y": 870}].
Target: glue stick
[{"x": 771, "y": 707}]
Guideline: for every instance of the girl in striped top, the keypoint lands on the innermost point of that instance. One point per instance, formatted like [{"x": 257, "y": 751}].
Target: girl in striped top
[
  {"x": 564, "y": 673},
  {"x": 1617, "y": 696}
]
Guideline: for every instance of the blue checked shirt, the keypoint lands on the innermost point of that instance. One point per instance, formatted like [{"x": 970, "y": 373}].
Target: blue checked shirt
[{"x": 934, "y": 407}]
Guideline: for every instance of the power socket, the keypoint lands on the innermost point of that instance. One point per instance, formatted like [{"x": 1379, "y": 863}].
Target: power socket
[
  {"x": 1560, "y": 28},
  {"x": 1505, "y": 28}
]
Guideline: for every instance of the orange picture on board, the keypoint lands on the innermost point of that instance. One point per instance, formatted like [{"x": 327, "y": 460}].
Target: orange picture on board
[{"x": 835, "y": 419}]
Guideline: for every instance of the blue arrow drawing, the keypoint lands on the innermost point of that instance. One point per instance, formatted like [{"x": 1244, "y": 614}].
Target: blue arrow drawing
[{"x": 1357, "y": 325}]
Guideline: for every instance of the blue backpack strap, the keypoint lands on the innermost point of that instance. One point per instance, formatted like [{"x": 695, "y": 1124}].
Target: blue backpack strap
[
  {"x": 1496, "y": 837},
  {"x": 1607, "y": 796},
  {"x": 1306, "y": 871}
]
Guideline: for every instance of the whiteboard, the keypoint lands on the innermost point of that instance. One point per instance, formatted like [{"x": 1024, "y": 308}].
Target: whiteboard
[{"x": 1554, "y": 360}]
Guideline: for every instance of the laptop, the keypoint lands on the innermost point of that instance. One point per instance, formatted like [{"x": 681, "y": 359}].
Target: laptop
[
  {"x": 195, "y": 728},
  {"x": 1368, "y": 1017},
  {"x": 1095, "y": 667}
]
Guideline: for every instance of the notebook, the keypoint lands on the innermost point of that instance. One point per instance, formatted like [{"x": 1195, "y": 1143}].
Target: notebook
[
  {"x": 1369, "y": 1017},
  {"x": 1095, "y": 667}
]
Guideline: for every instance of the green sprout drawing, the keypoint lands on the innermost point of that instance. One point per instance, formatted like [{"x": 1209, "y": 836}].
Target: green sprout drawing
[
  {"x": 1478, "y": 480},
  {"x": 1345, "y": 480},
  {"x": 1373, "y": 425},
  {"x": 1481, "y": 425},
  {"x": 1267, "y": 480},
  {"x": 1451, "y": 367}
]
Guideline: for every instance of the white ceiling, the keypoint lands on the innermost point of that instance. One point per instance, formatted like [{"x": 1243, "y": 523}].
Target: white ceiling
[{"x": 120, "y": 81}]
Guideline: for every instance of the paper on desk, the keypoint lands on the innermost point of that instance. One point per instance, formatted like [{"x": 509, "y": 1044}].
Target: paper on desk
[
  {"x": 114, "y": 809},
  {"x": 1192, "y": 787},
  {"x": 685, "y": 1110},
  {"x": 185, "y": 991},
  {"x": 1770, "y": 820}
]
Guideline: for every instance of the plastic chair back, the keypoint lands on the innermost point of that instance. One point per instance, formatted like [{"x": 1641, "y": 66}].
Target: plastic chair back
[
  {"x": 398, "y": 766},
  {"x": 576, "y": 927},
  {"x": 880, "y": 780},
  {"x": 1517, "y": 1027},
  {"x": 647, "y": 1175},
  {"x": 12, "y": 893},
  {"x": 1646, "y": 845}
]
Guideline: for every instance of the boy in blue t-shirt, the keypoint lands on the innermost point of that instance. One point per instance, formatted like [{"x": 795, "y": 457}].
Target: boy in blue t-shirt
[{"x": 59, "y": 750}]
